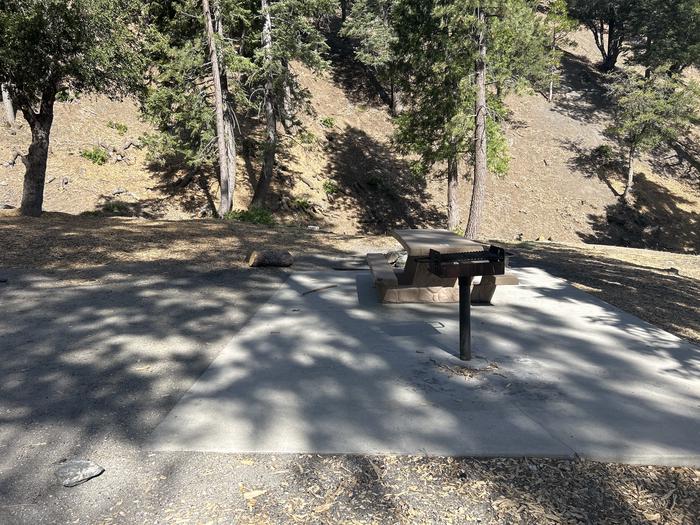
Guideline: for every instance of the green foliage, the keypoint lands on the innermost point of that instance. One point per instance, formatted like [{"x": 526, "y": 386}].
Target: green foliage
[
  {"x": 96, "y": 155},
  {"x": 437, "y": 48},
  {"x": 296, "y": 36},
  {"x": 609, "y": 21},
  {"x": 330, "y": 187},
  {"x": 81, "y": 46},
  {"x": 118, "y": 127},
  {"x": 370, "y": 24},
  {"x": 559, "y": 26},
  {"x": 301, "y": 204},
  {"x": 660, "y": 33},
  {"x": 666, "y": 33},
  {"x": 65, "y": 95},
  {"x": 651, "y": 111},
  {"x": 328, "y": 122},
  {"x": 179, "y": 100},
  {"x": 252, "y": 215},
  {"x": 603, "y": 153},
  {"x": 306, "y": 137}
]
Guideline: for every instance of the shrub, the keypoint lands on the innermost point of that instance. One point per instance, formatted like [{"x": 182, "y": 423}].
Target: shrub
[
  {"x": 330, "y": 187},
  {"x": 328, "y": 122},
  {"x": 301, "y": 204},
  {"x": 306, "y": 137},
  {"x": 252, "y": 215},
  {"x": 95, "y": 154},
  {"x": 118, "y": 126}
]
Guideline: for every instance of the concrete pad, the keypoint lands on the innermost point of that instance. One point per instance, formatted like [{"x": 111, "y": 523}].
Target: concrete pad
[{"x": 332, "y": 370}]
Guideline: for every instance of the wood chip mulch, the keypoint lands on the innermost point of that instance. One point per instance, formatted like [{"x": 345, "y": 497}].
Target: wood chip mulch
[{"x": 412, "y": 489}]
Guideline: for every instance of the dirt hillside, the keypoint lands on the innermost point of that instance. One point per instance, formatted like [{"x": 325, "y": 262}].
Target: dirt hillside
[{"x": 342, "y": 173}]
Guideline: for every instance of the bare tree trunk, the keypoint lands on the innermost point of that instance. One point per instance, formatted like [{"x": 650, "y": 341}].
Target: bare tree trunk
[
  {"x": 480, "y": 139},
  {"x": 37, "y": 157},
  {"x": 392, "y": 95},
  {"x": 225, "y": 203},
  {"x": 630, "y": 174},
  {"x": 9, "y": 108},
  {"x": 553, "y": 70},
  {"x": 452, "y": 193},
  {"x": 229, "y": 122},
  {"x": 270, "y": 119},
  {"x": 287, "y": 104}
]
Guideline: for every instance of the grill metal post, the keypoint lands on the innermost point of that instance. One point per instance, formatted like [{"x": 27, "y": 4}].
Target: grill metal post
[
  {"x": 491, "y": 260},
  {"x": 465, "y": 329}
]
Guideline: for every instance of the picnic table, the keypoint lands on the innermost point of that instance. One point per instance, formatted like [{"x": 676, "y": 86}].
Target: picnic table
[{"x": 415, "y": 283}]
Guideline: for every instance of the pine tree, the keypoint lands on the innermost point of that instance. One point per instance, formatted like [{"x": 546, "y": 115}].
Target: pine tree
[
  {"x": 666, "y": 34},
  {"x": 458, "y": 60},
  {"x": 559, "y": 26},
  {"x": 608, "y": 20},
  {"x": 289, "y": 33},
  {"x": 53, "y": 46},
  {"x": 195, "y": 119},
  {"x": 371, "y": 26},
  {"x": 650, "y": 111}
]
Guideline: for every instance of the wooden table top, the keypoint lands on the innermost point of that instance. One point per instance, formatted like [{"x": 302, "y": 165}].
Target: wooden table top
[{"x": 418, "y": 243}]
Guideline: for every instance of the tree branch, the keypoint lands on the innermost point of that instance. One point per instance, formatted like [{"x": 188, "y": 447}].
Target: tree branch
[{"x": 16, "y": 155}]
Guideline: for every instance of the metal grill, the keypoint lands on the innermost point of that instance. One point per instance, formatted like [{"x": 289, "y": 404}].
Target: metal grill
[{"x": 465, "y": 266}]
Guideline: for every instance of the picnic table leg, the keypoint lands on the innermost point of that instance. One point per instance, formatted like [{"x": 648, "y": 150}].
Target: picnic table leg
[{"x": 465, "y": 343}]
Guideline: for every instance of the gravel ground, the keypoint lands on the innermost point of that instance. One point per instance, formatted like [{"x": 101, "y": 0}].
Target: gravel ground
[{"x": 106, "y": 323}]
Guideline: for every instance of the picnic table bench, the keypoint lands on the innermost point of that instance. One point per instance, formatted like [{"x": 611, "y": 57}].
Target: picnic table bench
[{"x": 416, "y": 284}]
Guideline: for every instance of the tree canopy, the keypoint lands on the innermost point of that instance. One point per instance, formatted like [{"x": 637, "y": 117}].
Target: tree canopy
[{"x": 52, "y": 46}]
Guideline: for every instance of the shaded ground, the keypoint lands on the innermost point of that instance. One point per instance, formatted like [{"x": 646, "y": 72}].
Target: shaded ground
[
  {"x": 146, "y": 305},
  {"x": 661, "y": 288},
  {"x": 556, "y": 373}
]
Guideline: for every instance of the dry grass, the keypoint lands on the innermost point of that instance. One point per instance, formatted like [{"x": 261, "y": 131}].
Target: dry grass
[{"x": 71, "y": 246}]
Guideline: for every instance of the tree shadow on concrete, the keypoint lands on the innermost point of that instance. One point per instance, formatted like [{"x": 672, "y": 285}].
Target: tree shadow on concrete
[
  {"x": 97, "y": 344},
  {"x": 350, "y": 394},
  {"x": 658, "y": 295},
  {"x": 377, "y": 187},
  {"x": 582, "y": 94},
  {"x": 104, "y": 361},
  {"x": 652, "y": 219}
]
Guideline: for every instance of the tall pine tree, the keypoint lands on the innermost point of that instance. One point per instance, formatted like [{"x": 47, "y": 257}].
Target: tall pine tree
[{"x": 458, "y": 60}]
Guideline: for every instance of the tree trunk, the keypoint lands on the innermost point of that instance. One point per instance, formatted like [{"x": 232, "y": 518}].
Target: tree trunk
[
  {"x": 229, "y": 121},
  {"x": 270, "y": 120},
  {"x": 9, "y": 108},
  {"x": 287, "y": 103},
  {"x": 344, "y": 9},
  {"x": 630, "y": 175},
  {"x": 611, "y": 52},
  {"x": 480, "y": 139},
  {"x": 553, "y": 69},
  {"x": 392, "y": 95},
  {"x": 452, "y": 193},
  {"x": 225, "y": 203},
  {"x": 35, "y": 161}
]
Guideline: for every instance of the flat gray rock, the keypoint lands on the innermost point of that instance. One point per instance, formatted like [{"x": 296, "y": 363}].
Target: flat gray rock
[{"x": 76, "y": 471}]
